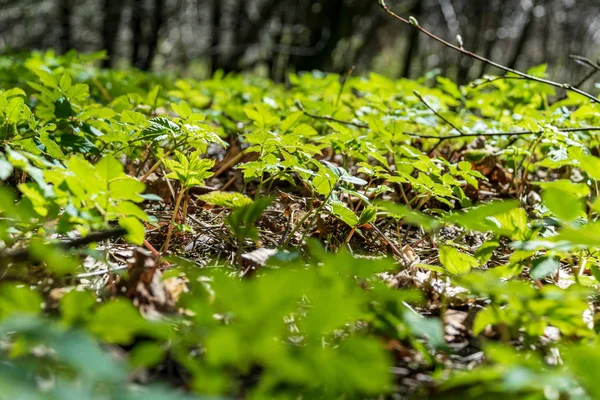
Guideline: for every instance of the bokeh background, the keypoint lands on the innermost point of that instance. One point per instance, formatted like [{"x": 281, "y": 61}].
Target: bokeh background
[{"x": 274, "y": 37}]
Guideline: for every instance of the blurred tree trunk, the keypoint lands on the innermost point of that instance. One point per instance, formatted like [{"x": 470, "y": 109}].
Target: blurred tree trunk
[
  {"x": 371, "y": 45},
  {"x": 156, "y": 25},
  {"x": 137, "y": 39},
  {"x": 494, "y": 18},
  {"x": 110, "y": 29},
  {"x": 473, "y": 12},
  {"x": 326, "y": 29},
  {"x": 225, "y": 23},
  {"x": 215, "y": 34},
  {"x": 526, "y": 30},
  {"x": 412, "y": 46},
  {"x": 65, "y": 12}
]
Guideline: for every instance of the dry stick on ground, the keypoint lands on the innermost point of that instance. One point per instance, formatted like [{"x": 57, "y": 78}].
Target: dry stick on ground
[
  {"x": 413, "y": 22},
  {"x": 24, "y": 255}
]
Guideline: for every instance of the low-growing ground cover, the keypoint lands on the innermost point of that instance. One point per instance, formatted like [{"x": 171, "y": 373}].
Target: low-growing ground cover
[{"x": 334, "y": 237}]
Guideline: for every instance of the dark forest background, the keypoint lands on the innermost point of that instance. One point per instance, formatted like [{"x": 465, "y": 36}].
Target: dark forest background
[{"x": 275, "y": 37}]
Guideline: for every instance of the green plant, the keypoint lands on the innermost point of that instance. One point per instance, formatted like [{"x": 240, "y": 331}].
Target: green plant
[{"x": 485, "y": 194}]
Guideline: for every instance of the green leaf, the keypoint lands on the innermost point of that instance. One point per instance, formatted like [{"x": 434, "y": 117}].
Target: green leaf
[
  {"x": 409, "y": 216},
  {"x": 146, "y": 355},
  {"x": 368, "y": 215},
  {"x": 449, "y": 87},
  {"x": 130, "y": 209},
  {"x": 478, "y": 218},
  {"x": 182, "y": 109},
  {"x": 52, "y": 148},
  {"x": 324, "y": 182},
  {"x": 582, "y": 361},
  {"x": 76, "y": 305},
  {"x": 339, "y": 210},
  {"x": 152, "y": 97},
  {"x": 65, "y": 82},
  {"x": 226, "y": 199},
  {"x": 485, "y": 317},
  {"x": 290, "y": 121},
  {"x": 591, "y": 165},
  {"x": 577, "y": 189},
  {"x": 543, "y": 267},
  {"x": 18, "y": 299},
  {"x": 118, "y": 321},
  {"x": 455, "y": 262},
  {"x": 127, "y": 188},
  {"x": 429, "y": 328},
  {"x": 135, "y": 229},
  {"x": 47, "y": 78},
  {"x": 564, "y": 205},
  {"x": 108, "y": 169},
  {"x": 486, "y": 250},
  {"x": 133, "y": 118},
  {"x": 242, "y": 220},
  {"x": 62, "y": 108}
]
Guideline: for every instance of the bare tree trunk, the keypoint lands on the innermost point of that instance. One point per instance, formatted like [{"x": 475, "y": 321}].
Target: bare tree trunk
[
  {"x": 65, "y": 12},
  {"x": 157, "y": 22},
  {"x": 110, "y": 29}
]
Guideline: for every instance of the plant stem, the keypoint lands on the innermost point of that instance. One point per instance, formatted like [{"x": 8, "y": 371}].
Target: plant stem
[
  {"x": 172, "y": 223},
  {"x": 314, "y": 216},
  {"x": 349, "y": 237}
]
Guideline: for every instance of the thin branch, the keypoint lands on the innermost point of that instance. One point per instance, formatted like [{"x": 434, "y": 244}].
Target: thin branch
[
  {"x": 413, "y": 22},
  {"x": 331, "y": 119},
  {"x": 521, "y": 133},
  {"x": 440, "y": 116},
  {"x": 442, "y": 138},
  {"x": 490, "y": 79},
  {"x": 585, "y": 60},
  {"x": 594, "y": 65}
]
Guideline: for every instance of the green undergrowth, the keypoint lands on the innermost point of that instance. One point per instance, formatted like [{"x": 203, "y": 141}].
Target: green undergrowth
[{"x": 482, "y": 197}]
